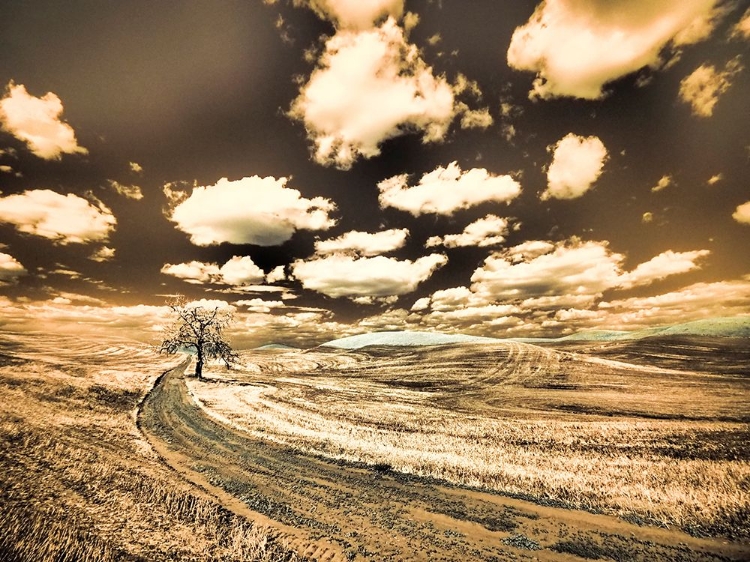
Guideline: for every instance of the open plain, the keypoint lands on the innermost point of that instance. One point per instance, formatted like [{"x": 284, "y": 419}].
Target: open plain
[{"x": 508, "y": 451}]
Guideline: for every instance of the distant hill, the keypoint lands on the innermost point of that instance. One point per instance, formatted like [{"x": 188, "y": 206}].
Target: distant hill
[
  {"x": 404, "y": 339},
  {"x": 278, "y": 346},
  {"x": 736, "y": 327}
]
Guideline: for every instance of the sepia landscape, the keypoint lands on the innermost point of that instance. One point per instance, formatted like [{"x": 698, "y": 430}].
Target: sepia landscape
[{"x": 374, "y": 280}]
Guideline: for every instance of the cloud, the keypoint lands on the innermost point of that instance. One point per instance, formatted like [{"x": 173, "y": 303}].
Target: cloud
[
  {"x": 276, "y": 274},
  {"x": 129, "y": 191},
  {"x": 716, "y": 178},
  {"x": 742, "y": 29},
  {"x": 135, "y": 167},
  {"x": 574, "y": 268},
  {"x": 661, "y": 266},
  {"x": 371, "y": 86},
  {"x": 475, "y": 119},
  {"x": 663, "y": 183},
  {"x": 10, "y": 269},
  {"x": 195, "y": 272},
  {"x": 103, "y": 254},
  {"x": 488, "y": 231},
  {"x": 702, "y": 89},
  {"x": 364, "y": 243},
  {"x": 447, "y": 190},
  {"x": 577, "y": 162},
  {"x": 347, "y": 276},
  {"x": 64, "y": 219},
  {"x": 241, "y": 270},
  {"x": 37, "y": 122},
  {"x": 647, "y": 217},
  {"x": 260, "y": 305},
  {"x": 251, "y": 210},
  {"x": 238, "y": 271},
  {"x": 576, "y": 47},
  {"x": 354, "y": 14},
  {"x": 742, "y": 214}
]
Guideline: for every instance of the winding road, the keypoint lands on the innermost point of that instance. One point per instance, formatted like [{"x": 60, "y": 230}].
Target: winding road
[{"x": 340, "y": 511}]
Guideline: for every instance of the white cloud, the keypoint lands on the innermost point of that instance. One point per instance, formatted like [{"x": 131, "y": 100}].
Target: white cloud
[
  {"x": 742, "y": 214},
  {"x": 238, "y": 271},
  {"x": 129, "y": 191},
  {"x": 241, "y": 270},
  {"x": 354, "y": 14},
  {"x": 475, "y": 119},
  {"x": 583, "y": 270},
  {"x": 577, "y": 162},
  {"x": 135, "y": 167},
  {"x": 663, "y": 183},
  {"x": 251, "y": 210},
  {"x": 576, "y": 47},
  {"x": 716, "y": 178},
  {"x": 10, "y": 269},
  {"x": 446, "y": 190},
  {"x": 705, "y": 85},
  {"x": 665, "y": 264},
  {"x": 364, "y": 243},
  {"x": 488, "y": 231},
  {"x": 63, "y": 218},
  {"x": 37, "y": 122},
  {"x": 276, "y": 274},
  {"x": 347, "y": 276},
  {"x": 260, "y": 305},
  {"x": 371, "y": 86},
  {"x": 647, "y": 217},
  {"x": 103, "y": 254},
  {"x": 195, "y": 272}
]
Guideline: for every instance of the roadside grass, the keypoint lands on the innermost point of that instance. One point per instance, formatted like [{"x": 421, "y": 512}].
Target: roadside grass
[
  {"x": 655, "y": 447},
  {"x": 77, "y": 480}
]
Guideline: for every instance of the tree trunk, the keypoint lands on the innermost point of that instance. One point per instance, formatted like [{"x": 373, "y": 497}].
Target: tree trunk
[{"x": 199, "y": 363}]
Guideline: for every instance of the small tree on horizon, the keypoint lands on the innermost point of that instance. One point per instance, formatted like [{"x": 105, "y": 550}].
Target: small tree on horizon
[{"x": 201, "y": 329}]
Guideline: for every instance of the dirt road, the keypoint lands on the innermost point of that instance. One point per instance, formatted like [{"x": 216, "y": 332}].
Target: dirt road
[{"x": 339, "y": 511}]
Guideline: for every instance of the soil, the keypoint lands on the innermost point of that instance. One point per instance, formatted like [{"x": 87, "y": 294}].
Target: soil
[{"x": 340, "y": 511}]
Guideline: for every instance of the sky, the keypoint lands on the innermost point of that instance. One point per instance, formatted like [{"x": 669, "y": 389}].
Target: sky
[{"x": 334, "y": 167}]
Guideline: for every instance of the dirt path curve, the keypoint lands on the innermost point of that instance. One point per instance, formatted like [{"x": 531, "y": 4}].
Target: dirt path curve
[{"x": 337, "y": 512}]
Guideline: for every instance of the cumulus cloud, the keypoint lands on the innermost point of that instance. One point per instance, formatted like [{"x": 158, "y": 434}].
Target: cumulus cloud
[
  {"x": 716, "y": 178},
  {"x": 488, "y": 231},
  {"x": 38, "y": 123},
  {"x": 260, "y": 305},
  {"x": 575, "y": 268},
  {"x": 663, "y": 183},
  {"x": 251, "y": 210},
  {"x": 661, "y": 266},
  {"x": 577, "y": 163},
  {"x": 238, "y": 271},
  {"x": 446, "y": 190},
  {"x": 347, "y": 276},
  {"x": 475, "y": 119},
  {"x": 129, "y": 191},
  {"x": 10, "y": 269},
  {"x": 576, "y": 47},
  {"x": 364, "y": 243},
  {"x": 135, "y": 167},
  {"x": 64, "y": 219},
  {"x": 742, "y": 214},
  {"x": 702, "y": 89},
  {"x": 195, "y": 272},
  {"x": 371, "y": 86},
  {"x": 276, "y": 274},
  {"x": 354, "y": 14},
  {"x": 103, "y": 254}
]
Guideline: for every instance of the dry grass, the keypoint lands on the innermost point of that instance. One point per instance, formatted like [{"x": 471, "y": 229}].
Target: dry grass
[
  {"x": 79, "y": 483},
  {"x": 663, "y": 447}
]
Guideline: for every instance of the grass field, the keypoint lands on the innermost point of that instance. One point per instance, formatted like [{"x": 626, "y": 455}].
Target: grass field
[
  {"x": 78, "y": 482},
  {"x": 657, "y": 445}
]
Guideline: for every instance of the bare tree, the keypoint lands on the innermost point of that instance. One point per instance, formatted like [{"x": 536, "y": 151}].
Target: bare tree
[{"x": 200, "y": 329}]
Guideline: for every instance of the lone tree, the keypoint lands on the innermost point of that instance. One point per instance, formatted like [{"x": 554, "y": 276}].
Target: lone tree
[{"x": 201, "y": 329}]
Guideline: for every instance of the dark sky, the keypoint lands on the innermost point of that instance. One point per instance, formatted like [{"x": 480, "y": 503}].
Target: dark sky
[{"x": 331, "y": 167}]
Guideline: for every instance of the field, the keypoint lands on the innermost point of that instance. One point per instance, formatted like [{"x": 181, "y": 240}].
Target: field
[
  {"x": 648, "y": 440},
  {"x": 626, "y": 451},
  {"x": 77, "y": 480}
]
